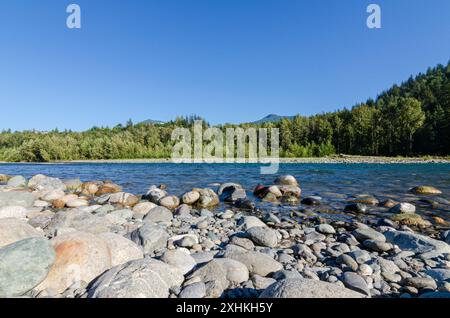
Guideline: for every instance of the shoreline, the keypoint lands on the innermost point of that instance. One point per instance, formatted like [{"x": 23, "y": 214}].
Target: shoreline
[{"x": 342, "y": 159}]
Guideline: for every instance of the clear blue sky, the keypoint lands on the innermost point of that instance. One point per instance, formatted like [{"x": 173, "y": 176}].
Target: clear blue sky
[{"x": 226, "y": 60}]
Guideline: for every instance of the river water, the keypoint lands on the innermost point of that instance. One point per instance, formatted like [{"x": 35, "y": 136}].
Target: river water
[{"x": 335, "y": 183}]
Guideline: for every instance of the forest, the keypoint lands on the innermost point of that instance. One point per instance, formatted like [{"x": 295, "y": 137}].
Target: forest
[{"x": 410, "y": 119}]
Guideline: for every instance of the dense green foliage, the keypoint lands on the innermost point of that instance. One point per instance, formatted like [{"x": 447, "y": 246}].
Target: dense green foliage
[{"x": 410, "y": 119}]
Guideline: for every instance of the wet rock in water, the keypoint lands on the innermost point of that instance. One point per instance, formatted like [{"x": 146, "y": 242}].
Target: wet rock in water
[
  {"x": 23, "y": 265},
  {"x": 108, "y": 188},
  {"x": 190, "y": 197},
  {"x": 244, "y": 204},
  {"x": 419, "y": 244},
  {"x": 195, "y": 290},
  {"x": 208, "y": 198},
  {"x": 155, "y": 194},
  {"x": 256, "y": 262},
  {"x": 17, "y": 182},
  {"x": 13, "y": 230},
  {"x": 290, "y": 191},
  {"x": 311, "y": 201},
  {"x": 425, "y": 190},
  {"x": 80, "y": 257},
  {"x": 170, "y": 202},
  {"x": 377, "y": 246},
  {"x": 145, "y": 278},
  {"x": 420, "y": 282},
  {"x": 388, "y": 203},
  {"x": 403, "y": 208},
  {"x": 270, "y": 197},
  {"x": 325, "y": 229},
  {"x": 411, "y": 220},
  {"x": 260, "y": 191},
  {"x": 356, "y": 208},
  {"x": 230, "y": 192},
  {"x": 363, "y": 234},
  {"x": 17, "y": 198},
  {"x": 247, "y": 222},
  {"x": 179, "y": 259},
  {"x": 141, "y": 209},
  {"x": 263, "y": 236},
  {"x": 355, "y": 282},
  {"x": 151, "y": 237},
  {"x": 122, "y": 249},
  {"x": 158, "y": 214},
  {"x": 13, "y": 212},
  {"x": 307, "y": 288},
  {"x": 286, "y": 180},
  {"x": 366, "y": 199},
  {"x": 275, "y": 190}
]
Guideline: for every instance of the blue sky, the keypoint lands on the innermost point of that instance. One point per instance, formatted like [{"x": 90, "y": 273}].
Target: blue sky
[{"x": 226, "y": 60}]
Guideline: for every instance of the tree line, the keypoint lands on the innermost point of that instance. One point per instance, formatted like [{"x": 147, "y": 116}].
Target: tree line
[{"x": 411, "y": 119}]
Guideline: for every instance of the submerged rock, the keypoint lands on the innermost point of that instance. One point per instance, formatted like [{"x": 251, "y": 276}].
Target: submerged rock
[{"x": 425, "y": 190}]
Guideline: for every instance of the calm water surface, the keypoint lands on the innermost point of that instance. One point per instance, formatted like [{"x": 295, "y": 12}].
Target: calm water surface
[{"x": 334, "y": 182}]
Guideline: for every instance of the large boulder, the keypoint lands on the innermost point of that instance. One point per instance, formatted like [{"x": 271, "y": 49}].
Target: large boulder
[
  {"x": 23, "y": 265},
  {"x": 13, "y": 230},
  {"x": 307, "y": 288},
  {"x": 17, "y": 198},
  {"x": 122, "y": 249},
  {"x": 142, "y": 208},
  {"x": 80, "y": 257},
  {"x": 145, "y": 278},
  {"x": 419, "y": 244},
  {"x": 256, "y": 262},
  {"x": 151, "y": 237}
]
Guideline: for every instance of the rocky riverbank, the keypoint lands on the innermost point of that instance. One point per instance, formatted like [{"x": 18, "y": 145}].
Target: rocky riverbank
[
  {"x": 68, "y": 238},
  {"x": 335, "y": 159}
]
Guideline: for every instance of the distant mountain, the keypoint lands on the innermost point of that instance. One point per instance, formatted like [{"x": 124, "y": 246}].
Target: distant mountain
[
  {"x": 153, "y": 122},
  {"x": 272, "y": 118}
]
